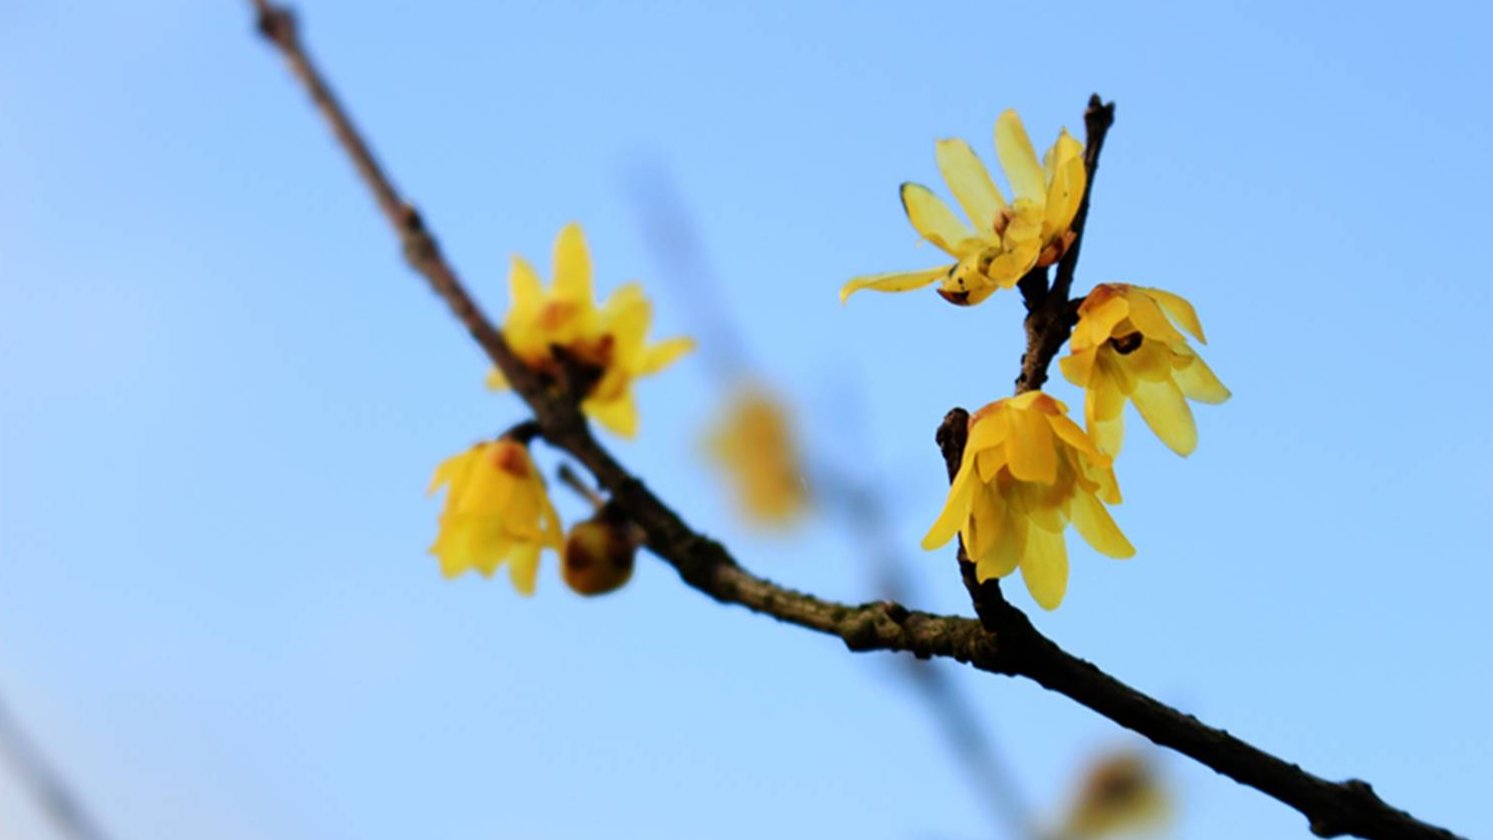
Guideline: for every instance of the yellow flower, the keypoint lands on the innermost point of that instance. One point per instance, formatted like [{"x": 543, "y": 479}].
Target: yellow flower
[
  {"x": 1027, "y": 472},
  {"x": 1008, "y": 240},
  {"x": 610, "y": 343},
  {"x": 754, "y": 446},
  {"x": 1125, "y": 347},
  {"x": 1120, "y": 794},
  {"x": 496, "y": 509}
]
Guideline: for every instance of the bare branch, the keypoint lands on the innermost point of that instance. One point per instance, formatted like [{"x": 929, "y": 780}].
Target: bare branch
[
  {"x": 1333, "y": 809},
  {"x": 64, "y": 808}
]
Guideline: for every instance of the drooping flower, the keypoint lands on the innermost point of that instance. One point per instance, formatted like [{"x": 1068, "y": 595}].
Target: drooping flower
[
  {"x": 497, "y": 509},
  {"x": 1007, "y": 240},
  {"x": 754, "y": 446},
  {"x": 1126, "y": 348},
  {"x": 1027, "y": 472},
  {"x": 609, "y": 343},
  {"x": 1120, "y": 793}
]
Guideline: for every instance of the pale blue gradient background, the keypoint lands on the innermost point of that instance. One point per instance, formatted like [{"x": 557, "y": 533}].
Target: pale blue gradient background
[{"x": 221, "y": 395}]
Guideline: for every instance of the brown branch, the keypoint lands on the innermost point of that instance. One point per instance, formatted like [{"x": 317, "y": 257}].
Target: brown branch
[{"x": 1333, "y": 809}]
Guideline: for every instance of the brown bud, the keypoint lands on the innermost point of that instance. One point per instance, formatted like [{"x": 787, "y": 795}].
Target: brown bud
[{"x": 599, "y": 553}]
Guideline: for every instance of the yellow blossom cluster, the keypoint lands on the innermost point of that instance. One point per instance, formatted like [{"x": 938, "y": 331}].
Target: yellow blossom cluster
[
  {"x": 497, "y": 508},
  {"x": 1028, "y": 471}
]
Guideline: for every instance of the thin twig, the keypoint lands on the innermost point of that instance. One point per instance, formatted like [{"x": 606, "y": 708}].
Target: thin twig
[
  {"x": 1333, "y": 809},
  {"x": 63, "y": 806}
]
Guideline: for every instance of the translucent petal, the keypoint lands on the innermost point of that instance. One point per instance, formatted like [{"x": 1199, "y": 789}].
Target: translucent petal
[
  {"x": 934, "y": 220},
  {"x": 1093, "y": 522},
  {"x": 955, "y": 510},
  {"x": 1198, "y": 382},
  {"x": 1019, "y": 159},
  {"x": 988, "y": 430},
  {"x": 495, "y": 380},
  {"x": 1030, "y": 449},
  {"x": 1078, "y": 367},
  {"x": 620, "y": 414},
  {"x": 1044, "y": 567},
  {"x": 970, "y": 182},
  {"x": 1150, "y": 320},
  {"x": 983, "y": 526},
  {"x": 1181, "y": 311},
  {"x": 523, "y": 567},
  {"x": 525, "y": 289},
  {"x": 665, "y": 353},
  {"x": 896, "y": 281},
  {"x": 1162, "y": 407},
  {"x": 1098, "y": 320},
  {"x": 1076, "y": 438},
  {"x": 572, "y": 265},
  {"x": 1063, "y": 193},
  {"x": 1003, "y": 553}
]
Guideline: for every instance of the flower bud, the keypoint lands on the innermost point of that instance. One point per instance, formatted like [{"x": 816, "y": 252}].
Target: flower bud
[{"x": 599, "y": 553}]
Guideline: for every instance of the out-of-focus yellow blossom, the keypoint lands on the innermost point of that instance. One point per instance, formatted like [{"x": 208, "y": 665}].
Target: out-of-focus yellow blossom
[
  {"x": 1007, "y": 240},
  {"x": 610, "y": 342},
  {"x": 496, "y": 509},
  {"x": 1119, "y": 794},
  {"x": 754, "y": 446},
  {"x": 1126, "y": 347},
  {"x": 1027, "y": 472}
]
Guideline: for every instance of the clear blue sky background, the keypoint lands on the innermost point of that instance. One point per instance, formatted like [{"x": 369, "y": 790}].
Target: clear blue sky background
[{"x": 221, "y": 396}]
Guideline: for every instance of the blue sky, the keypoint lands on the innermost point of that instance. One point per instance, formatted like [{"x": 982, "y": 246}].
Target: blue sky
[{"x": 221, "y": 395}]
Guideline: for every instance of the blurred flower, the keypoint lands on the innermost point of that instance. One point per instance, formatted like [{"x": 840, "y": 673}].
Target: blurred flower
[
  {"x": 607, "y": 345},
  {"x": 496, "y": 509},
  {"x": 754, "y": 446},
  {"x": 599, "y": 553},
  {"x": 1120, "y": 793},
  {"x": 1027, "y": 472},
  {"x": 1008, "y": 240},
  {"x": 1125, "y": 347}
]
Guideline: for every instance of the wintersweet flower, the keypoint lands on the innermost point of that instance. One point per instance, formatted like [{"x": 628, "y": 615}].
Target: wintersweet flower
[
  {"x": 1126, "y": 347},
  {"x": 1028, "y": 471},
  {"x": 497, "y": 509},
  {"x": 1120, "y": 793},
  {"x": 1008, "y": 239},
  {"x": 609, "y": 343},
  {"x": 754, "y": 447}
]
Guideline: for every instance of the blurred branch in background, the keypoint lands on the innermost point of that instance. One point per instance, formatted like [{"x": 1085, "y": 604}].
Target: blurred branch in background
[
  {"x": 756, "y": 439},
  {"x": 60, "y": 804}
]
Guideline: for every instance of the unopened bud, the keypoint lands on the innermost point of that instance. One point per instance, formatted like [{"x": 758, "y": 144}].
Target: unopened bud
[{"x": 599, "y": 553}]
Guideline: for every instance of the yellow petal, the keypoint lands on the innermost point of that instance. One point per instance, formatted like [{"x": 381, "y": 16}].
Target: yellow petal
[
  {"x": 1075, "y": 437},
  {"x": 934, "y": 221},
  {"x": 1181, "y": 311},
  {"x": 1104, "y": 415},
  {"x": 1029, "y": 448},
  {"x": 1097, "y": 322},
  {"x": 665, "y": 353},
  {"x": 1044, "y": 567},
  {"x": 1150, "y": 320},
  {"x": 896, "y": 281},
  {"x": 970, "y": 183},
  {"x": 1064, "y": 168},
  {"x": 1078, "y": 367},
  {"x": 1019, "y": 159},
  {"x": 525, "y": 289},
  {"x": 1093, "y": 522},
  {"x": 523, "y": 567},
  {"x": 619, "y": 414},
  {"x": 495, "y": 380},
  {"x": 572, "y": 265},
  {"x": 1162, "y": 407},
  {"x": 1198, "y": 382},
  {"x": 1003, "y": 551},
  {"x": 955, "y": 510}
]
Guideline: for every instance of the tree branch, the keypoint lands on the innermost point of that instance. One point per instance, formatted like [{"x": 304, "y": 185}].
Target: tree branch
[{"x": 1333, "y": 809}]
